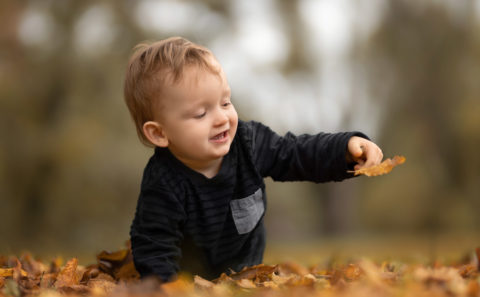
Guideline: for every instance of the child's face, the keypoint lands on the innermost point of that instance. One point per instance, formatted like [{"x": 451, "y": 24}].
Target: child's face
[{"x": 198, "y": 118}]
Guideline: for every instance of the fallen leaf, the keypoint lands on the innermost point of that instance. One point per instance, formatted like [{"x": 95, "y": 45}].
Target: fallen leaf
[
  {"x": 301, "y": 281},
  {"x": 47, "y": 280},
  {"x": 32, "y": 266},
  {"x": 202, "y": 283},
  {"x": 105, "y": 276},
  {"x": 468, "y": 271},
  {"x": 18, "y": 272},
  {"x": 445, "y": 277},
  {"x": 362, "y": 278},
  {"x": 117, "y": 256},
  {"x": 90, "y": 272},
  {"x": 245, "y": 283},
  {"x": 181, "y": 285},
  {"x": 279, "y": 280},
  {"x": 6, "y": 272},
  {"x": 118, "y": 264},
  {"x": 352, "y": 272},
  {"x": 101, "y": 285},
  {"x": 127, "y": 272},
  {"x": 68, "y": 275},
  {"x": 74, "y": 289},
  {"x": 292, "y": 268},
  {"x": 383, "y": 168},
  {"x": 473, "y": 288},
  {"x": 254, "y": 272},
  {"x": 223, "y": 279},
  {"x": 372, "y": 272}
]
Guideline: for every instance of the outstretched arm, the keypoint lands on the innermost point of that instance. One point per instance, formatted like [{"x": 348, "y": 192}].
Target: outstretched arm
[{"x": 318, "y": 158}]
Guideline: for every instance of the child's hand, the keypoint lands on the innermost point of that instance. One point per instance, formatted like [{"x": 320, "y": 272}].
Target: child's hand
[{"x": 363, "y": 152}]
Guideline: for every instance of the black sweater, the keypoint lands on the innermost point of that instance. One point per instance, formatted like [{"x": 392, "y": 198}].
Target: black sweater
[{"x": 187, "y": 221}]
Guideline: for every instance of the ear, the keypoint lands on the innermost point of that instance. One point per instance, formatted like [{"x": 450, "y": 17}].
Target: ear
[{"x": 155, "y": 133}]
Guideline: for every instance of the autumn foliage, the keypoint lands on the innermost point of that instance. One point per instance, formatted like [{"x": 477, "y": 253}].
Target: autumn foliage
[
  {"x": 114, "y": 275},
  {"x": 383, "y": 168}
]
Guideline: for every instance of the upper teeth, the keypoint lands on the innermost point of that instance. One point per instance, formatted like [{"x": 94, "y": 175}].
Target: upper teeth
[{"x": 218, "y": 136}]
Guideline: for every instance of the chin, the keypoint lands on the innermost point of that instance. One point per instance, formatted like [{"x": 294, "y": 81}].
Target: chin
[{"x": 223, "y": 152}]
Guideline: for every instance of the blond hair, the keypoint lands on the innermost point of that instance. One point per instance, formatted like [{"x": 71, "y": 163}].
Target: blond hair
[{"x": 148, "y": 69}]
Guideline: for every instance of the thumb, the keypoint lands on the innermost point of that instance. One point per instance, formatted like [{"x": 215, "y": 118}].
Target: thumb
[{"x": 358, "y": 151}]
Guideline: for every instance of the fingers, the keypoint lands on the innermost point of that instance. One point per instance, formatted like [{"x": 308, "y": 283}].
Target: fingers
[
  {"x": 355, "y": 148},
  {"x": 358, "y": 151},
  {"x": 364, "y": 152},
  {"x": 359, "y": 165},
  {"x": 373, "y": 156}
]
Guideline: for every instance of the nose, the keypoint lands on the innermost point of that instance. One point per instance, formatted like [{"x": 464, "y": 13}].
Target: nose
[{"x": 221, "y": 117}]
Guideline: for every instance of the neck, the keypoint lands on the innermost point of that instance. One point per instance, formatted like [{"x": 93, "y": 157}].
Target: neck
[{"x": 208, "y": 169}]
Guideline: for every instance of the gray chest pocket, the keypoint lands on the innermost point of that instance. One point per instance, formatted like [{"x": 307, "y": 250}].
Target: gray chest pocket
[{"x": 247, "y": 211}]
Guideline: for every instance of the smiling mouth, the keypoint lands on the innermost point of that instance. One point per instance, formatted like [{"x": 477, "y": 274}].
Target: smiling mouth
[{"x": 220, "y": 136}]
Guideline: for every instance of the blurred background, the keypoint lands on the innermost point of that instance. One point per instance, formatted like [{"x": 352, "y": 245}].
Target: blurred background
[{"x": 404, "y": 72}]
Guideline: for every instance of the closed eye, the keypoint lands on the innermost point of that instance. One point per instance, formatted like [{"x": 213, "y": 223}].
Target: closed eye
[
  {"x": 227, "y": 103},
  {"x": 200, "y": 115}
]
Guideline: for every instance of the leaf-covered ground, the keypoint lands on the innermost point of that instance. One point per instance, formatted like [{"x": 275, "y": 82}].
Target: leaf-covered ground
[{"x": 114, "y": 275}]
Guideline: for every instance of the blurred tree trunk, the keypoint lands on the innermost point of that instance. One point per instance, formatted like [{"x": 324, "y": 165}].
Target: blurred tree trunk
[
  {"x": 338, "y": 205},
  {"x": 297, "y": 60}
]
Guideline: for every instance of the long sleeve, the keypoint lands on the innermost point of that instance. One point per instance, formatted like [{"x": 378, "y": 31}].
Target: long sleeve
[
  {"x": 317, "y": 158},
  {"x": 156, "y": 233}
]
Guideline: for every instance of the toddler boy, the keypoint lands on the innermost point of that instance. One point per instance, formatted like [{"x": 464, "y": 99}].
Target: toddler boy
[{"x": 202, "y": 198}]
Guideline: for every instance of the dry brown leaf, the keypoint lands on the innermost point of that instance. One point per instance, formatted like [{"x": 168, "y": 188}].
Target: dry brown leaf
[
  {"x": 74, "y": 289},
  {"x": 223, "y": 279},
  {"x": 32, "y": 266},
  {"x": 149, "y": 286},
  {"x": 6, "y": 272},
  {"x": 117, "y": 256},
  {"x": 383, "y": 168},
  {"x": 389, "y": 277},
  {"x": 254, "y": 272},
  {"x": 18, "y": 272},
  {"x": 202, "y": 283},
  {"x": 68, "y": 275},
  {"x": 245, "y": 283},
  {"x": 105, "y": 276},
  {"x": 101, "y": 285},
  {"x": 127, "y": 272},
  {"x": 468, "y": 271},
  {"x": 56, "y": 265},
  {"x": 279, "y": 280},
  {"x": 473, "y": 288},
  {"x": 301, "y": 281},
  {"x": 352, "y": 272},
  {"x": 446, "y": 278},
  {"x": 363, "y": 278},
  {"x": 372, "y": 272},
  {"x": 90, "y": 272},
  {"x": 180, "y": 286},
  {"x": 270, "y": 285},
  {"x": 292, "y": 267},
  {"x": 118, "y": 264},
  {"x": 47, "y": 280}
]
